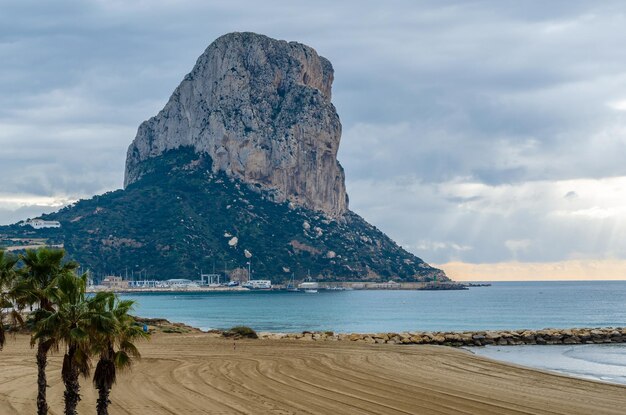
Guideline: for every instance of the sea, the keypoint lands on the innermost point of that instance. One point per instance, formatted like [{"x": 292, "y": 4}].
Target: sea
[{"x": 503, "y": 305}]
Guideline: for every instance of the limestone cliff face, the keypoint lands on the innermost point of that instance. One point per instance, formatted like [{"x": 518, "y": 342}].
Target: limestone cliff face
[{"x": 261, "y": 108}]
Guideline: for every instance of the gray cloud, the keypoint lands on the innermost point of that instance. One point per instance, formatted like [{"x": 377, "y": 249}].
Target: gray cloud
[{"x": 451, "y": 109}]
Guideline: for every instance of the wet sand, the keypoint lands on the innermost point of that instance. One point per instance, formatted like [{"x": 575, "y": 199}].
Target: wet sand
[{"x": 200, "y": 374}]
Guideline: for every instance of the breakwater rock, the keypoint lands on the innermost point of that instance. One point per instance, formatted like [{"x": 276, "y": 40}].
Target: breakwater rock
[{"x": 468, "y": 338}]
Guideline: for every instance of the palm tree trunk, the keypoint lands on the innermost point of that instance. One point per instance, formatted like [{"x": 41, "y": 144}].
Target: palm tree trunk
[
  {"x": 103, "y": 401},
  {"x": 42, "y": 384},
  {"x": 2, "y": 335},
  {"x": 104, "y": 378},
  {"x": 70, "y": 379}
]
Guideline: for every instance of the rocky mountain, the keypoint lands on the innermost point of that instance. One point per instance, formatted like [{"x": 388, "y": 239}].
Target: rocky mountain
[
  {"x": 240, "y": 166},
  {"x": 261, "y": 109}
]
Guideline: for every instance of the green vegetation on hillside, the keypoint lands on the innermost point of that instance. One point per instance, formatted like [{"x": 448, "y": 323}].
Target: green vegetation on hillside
[{"x": 181, "y": 218}]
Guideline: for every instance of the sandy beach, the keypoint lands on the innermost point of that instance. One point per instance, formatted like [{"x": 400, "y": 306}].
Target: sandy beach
[{"x": 200, "y": 374}]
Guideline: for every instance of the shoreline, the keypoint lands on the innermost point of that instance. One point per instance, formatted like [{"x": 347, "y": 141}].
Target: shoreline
[{"x": 597, "y": 362}]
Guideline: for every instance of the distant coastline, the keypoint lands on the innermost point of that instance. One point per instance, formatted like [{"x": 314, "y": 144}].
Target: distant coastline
[{"x": 353, "y": 285}]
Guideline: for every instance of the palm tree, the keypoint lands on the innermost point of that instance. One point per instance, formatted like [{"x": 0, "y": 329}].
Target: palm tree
[
  {"x": 69, "y": 325},
  {"x": 7, "y": 281},
  {"x": 113, "y": 334},
  {"x": 36, "y": 287}
]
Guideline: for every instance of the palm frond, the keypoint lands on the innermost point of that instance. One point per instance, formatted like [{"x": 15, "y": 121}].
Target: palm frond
[
  {"x": 122, "y": 360},
  {"x": 130, "y": 348}
]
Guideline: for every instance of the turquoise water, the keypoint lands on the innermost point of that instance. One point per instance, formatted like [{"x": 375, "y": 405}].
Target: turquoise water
[{"x": 504, "y": 305}]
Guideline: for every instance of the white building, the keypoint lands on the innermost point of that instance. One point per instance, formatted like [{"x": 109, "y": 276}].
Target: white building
[{"x": 41, "y": 224}]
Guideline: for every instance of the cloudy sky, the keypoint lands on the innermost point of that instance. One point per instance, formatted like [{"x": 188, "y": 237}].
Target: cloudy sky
[{"x": 487, "y": 137}]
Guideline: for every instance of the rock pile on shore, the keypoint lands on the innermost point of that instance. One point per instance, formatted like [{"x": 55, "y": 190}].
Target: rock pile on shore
[
  {"x": 162, "y": 325},
  {"x": 469, "y": 338}
]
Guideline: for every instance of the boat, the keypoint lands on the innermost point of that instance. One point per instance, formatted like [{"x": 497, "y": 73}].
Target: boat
[
  {"x": 309, "y": 286},
  {"x": 258, "y": 285},
  {"x": 292, "y": 285}
]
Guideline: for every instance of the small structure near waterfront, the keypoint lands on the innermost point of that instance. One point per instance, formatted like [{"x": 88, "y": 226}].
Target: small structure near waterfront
[{"x": 114, "y": 283}]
